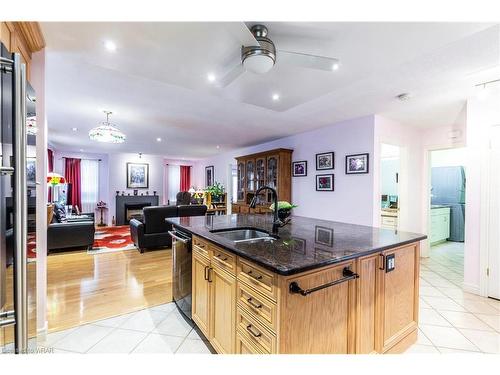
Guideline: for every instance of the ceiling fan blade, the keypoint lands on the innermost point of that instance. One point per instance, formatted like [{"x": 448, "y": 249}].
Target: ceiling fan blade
[
  {"x": 231, "y": 76},
  {"x": 305, "y": 60},
  {"x": 242, "y": 33}
]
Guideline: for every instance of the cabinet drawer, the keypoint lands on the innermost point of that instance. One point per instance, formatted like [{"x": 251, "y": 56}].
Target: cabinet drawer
[
  {"x": 200, "y": 246},
  {"x": 389, "y": 220},
  {"x": 258, "y": 306},
  {"x": 223, "y": 260},
  {"x": 261, "y": 280},
  {"x": 245, "y": 347},
  {"x": 254, "y": 332}
]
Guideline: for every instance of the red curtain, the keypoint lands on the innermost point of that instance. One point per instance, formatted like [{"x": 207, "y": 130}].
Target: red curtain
[
  {"x": 50, "y": 163},
  {"x": 185, "y": 177},
  {"x": 73, "y": 177}
]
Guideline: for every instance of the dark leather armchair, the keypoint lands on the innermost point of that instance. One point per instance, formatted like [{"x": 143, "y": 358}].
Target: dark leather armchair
[
  {"x": 183, "y": 198},
  {"x": 153, "y": 231}
]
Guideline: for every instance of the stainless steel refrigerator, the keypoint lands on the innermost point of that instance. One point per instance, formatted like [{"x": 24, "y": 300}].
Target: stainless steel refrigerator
[
  {"x": 448, "y": 189},
  {"x": 17, "y": 277}
]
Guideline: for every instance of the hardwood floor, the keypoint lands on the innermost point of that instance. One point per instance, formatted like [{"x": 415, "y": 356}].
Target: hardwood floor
[{"x": 83, "y": 288}]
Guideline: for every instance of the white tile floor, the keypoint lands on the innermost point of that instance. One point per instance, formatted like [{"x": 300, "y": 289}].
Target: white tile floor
[
  {"x": 160, "y": 329},
  {"x": 451, "y": 320}
]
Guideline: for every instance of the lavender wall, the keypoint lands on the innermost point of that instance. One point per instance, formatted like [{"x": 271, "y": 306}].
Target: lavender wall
[{"x": 352, "y": 200}]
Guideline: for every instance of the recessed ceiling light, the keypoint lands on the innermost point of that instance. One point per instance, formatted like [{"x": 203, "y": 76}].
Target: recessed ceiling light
[
  {"x": 81, "y": 150},
  {"x": 335, "y": 66},
  {"x": 403, "y": 97},
  {"x": 217, "y": 147},
  {"x": 110, "y": 45},
  {"x": 74, "y": 129},
  {"x": 276, "y": 97},
  {"x": 158, "y": 139},
  {"x": 211, "y": 77}
]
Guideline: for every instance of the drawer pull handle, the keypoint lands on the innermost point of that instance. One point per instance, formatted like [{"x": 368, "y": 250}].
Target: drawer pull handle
[
  {"x": 253, "y": 304},
  {"x": 206, "y": 272},
  {"x": 210, "y": 274},
  {"x": 255, "y": 334},
  {"x": 220, "y": 257},
  {"x": 259, "y": 277},
  {"x": 294, "y": 288}
]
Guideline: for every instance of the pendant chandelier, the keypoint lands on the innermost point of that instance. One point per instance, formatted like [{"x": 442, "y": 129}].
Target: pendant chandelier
[{"x": 106, "y": 132}]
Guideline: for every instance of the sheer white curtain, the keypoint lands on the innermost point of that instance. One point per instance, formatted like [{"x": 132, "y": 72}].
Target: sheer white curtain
[
  {"x": 173, "y": 182},
  {"x": 90, "y": 184}
]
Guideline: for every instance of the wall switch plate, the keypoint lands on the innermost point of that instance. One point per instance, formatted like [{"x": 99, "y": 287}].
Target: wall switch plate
[{"x": 390, "y": 262}]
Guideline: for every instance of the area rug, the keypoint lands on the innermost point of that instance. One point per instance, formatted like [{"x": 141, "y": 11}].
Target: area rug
[
  {"x": 31, "y": 247},
  {"x": 112, "y": 239}
]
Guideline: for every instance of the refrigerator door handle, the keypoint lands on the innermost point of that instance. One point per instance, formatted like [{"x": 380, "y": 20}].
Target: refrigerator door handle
[{"x": 20, "y": 208}]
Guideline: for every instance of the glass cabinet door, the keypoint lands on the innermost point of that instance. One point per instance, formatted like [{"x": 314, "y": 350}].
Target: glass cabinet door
[
  {"x": 272, "y": 175},
  {"x": 260, "y": 173},
  {"x": 250, "y": 179},
  {"x": 241, "y": 181}
]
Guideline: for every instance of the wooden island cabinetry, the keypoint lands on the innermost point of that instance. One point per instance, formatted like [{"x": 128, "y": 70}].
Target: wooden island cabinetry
[
  {"x": 270, "y": 168},
  {"x": 244, "y": 308}
]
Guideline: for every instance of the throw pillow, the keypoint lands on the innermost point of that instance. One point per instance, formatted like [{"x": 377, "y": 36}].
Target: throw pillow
[{"x": 60, "y": 213}]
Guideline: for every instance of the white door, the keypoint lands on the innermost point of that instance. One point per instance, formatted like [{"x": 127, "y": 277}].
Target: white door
[{"x": 494, "y": 219}]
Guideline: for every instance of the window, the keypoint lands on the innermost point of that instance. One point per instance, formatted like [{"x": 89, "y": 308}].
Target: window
[
  {"x": 90, "y": 184},
  {"x": 173, "y": 182}
]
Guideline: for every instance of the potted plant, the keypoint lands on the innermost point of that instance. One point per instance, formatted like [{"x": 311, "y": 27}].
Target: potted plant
[
  {"x": 216, "y": 191},
  {"x": 284, "y": 209}
]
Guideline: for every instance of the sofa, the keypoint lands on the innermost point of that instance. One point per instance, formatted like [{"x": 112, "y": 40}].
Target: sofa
[
  {"x": 152, "y": 232},
  {"x": 63, "y": 234}
]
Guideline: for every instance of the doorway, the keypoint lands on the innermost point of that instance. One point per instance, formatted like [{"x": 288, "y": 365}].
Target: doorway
[
  {"x": 447, "y": 212},
  {"x": 390, "y": 167}
]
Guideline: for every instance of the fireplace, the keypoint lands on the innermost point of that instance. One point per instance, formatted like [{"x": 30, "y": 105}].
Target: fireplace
[
  {"x": 133, "y": 204},
  {"x": 134, "y": 211}
]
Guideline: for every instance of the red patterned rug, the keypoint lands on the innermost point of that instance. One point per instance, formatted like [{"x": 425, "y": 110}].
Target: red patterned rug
[
  {"x": 111, "y": 239},
  {"x": 31, "y": 247}
]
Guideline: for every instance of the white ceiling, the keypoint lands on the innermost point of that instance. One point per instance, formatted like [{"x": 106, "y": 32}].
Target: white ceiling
[{"x": 156, "y": 81}]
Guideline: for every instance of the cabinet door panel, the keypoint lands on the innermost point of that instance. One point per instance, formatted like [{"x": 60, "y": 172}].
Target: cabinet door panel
[
  {"x": 201, "y": 293},
  {"x": 367, "y": 314},
  {"x": 223, "y": 309},
  {"x": 398, "y": 295},
  {"x": 327, "y": 315}
]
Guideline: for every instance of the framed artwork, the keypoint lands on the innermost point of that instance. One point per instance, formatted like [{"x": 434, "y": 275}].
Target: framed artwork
[
  {"x": 324, "y": 182},
  {"x": 323, "y": 236},
  {"x": 357, "y": 164},
  {"x": 137, "y": 175},
  {"x": 31, "y": 171},
  {"x": 299, "y": 168},
  {"x": 209, "y": 175},
  {"x": 325, "y": 160}
]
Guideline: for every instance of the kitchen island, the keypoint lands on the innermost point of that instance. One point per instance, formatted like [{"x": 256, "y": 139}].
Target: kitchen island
[{"x": 316, "y": 287}]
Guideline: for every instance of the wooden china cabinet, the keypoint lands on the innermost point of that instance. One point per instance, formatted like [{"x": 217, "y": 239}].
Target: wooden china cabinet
[{"x": 270, "y": 168}]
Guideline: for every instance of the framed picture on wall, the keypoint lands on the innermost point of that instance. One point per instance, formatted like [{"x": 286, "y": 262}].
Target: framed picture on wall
[
  {"x": 325, "y": 160},
  {"x": 209, "y": 175},
  {"x": 324, "y": 182},
  {"x": 357, "y": 164},
  {"x": 137, "y": 175},
  {"x": 299, "y": 168},
  {"x": 31, "y": 171}
]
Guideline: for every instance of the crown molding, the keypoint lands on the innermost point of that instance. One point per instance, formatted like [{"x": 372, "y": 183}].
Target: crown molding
[{"x": 32, "y": 34}]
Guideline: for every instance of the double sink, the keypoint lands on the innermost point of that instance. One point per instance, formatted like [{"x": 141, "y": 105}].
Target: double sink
[{"x": 238, "y": 235}]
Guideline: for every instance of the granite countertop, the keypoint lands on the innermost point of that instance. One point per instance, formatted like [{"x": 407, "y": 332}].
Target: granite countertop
[{"x": 303, "y": 244}]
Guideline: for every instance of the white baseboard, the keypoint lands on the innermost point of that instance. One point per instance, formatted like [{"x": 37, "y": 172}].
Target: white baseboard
[
  {"x": 471, "y": 288},
  {"x": 41, "y": 333}
]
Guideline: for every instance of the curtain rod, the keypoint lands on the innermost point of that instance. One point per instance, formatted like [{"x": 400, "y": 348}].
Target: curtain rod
[{"x": 67, "y": 157}]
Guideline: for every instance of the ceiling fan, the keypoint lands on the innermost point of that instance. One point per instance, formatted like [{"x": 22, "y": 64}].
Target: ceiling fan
[{"x": 261, "y": 54}]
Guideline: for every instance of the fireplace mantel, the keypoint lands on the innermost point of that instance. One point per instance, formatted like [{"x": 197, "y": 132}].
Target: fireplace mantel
[{"x": 122, "y": 200}]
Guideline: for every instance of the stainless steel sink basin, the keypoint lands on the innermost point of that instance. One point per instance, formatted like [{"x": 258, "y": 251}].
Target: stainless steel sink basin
[{"x": 243, "y": 235}]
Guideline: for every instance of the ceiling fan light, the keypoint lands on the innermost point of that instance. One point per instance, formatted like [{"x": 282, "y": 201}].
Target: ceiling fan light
[{"x": 259, "y": 64}]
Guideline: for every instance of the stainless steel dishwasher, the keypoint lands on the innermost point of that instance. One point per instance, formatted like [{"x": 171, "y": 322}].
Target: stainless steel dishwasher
[{"x": 181, "y": 275}]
